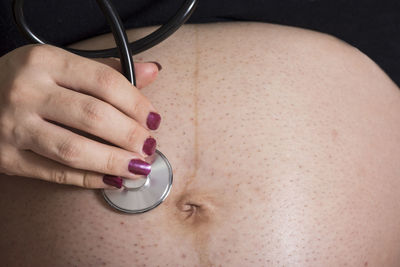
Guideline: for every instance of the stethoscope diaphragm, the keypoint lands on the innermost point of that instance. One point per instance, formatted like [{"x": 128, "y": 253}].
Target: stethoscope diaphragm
[{"x": 138, "y": 196}]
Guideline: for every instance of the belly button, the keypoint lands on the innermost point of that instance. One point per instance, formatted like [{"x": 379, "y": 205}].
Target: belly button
[
  {"x": 190, "y": 210},
  {"x": 195, "y": 209}
]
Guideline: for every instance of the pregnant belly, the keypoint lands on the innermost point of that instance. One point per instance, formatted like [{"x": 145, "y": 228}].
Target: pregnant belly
[{"x": 284, "y": 145}]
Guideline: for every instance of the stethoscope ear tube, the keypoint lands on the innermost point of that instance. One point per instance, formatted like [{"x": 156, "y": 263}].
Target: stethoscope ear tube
[
  {"x": 121, "y": 40},
  {"x": 181, "y": 16}
]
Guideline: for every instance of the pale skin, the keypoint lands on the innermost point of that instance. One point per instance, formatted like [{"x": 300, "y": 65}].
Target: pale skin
[
  {"x": 42, "y": 85},
  {"x": 285, "y": 150}
]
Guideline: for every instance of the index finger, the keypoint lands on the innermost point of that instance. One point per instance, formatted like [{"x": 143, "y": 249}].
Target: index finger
[{"x": 103, "y": 82}]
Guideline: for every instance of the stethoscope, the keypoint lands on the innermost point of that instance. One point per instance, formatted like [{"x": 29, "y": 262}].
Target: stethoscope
[{"x": 136, "y": 196}]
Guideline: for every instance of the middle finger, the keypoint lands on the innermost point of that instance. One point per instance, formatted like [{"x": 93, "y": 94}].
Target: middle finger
[{"x": 98, "y": 118}]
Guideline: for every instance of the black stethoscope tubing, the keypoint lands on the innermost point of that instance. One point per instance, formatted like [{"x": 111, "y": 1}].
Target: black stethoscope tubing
[{"x": 124, "y": 49}]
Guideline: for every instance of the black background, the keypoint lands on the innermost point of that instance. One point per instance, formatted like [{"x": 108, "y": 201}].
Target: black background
[{"x": 371, "y": 26}]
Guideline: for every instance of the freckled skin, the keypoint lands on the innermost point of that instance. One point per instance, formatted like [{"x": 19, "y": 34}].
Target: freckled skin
[{"x": 285, "y": 150}]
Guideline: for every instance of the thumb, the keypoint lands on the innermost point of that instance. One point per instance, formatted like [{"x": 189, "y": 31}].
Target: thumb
[{"x": 145, "y": 72}]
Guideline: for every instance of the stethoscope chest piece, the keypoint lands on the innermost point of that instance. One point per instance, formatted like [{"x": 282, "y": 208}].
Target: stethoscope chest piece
[{"x": 138, "y": 196}]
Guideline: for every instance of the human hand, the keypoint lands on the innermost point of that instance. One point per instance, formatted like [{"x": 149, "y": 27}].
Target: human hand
[{"x": 46, "y": 92}]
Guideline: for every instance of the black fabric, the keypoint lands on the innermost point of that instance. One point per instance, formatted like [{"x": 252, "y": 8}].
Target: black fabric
[{"x": 373, "y": 26}]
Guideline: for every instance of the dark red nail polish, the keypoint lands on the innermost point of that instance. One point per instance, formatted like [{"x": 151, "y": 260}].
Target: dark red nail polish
[
  {"x": 149, "y": 146},
  {"x": 153, "y": 120},
  {"x": 159, "y": 67},
  {"x": 137, "y": 166},
  {"x": 113, "y": 181}
]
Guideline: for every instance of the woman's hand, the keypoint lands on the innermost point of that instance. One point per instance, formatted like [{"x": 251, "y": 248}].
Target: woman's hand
[{"x": 46, "y": 91}]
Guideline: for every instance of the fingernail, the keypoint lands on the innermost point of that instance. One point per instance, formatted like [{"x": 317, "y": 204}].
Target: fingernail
[
  {"x": 113, "y": 181},
  {"x": 137, "y": 166},
  {"x": 153, "y": 120},
  {"x": 159, "y": 67},
  {"x": 149, "y": 146}
]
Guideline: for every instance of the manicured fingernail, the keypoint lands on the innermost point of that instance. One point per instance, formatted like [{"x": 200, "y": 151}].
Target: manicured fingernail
[
  {"x": 149, "y": 146},
  {"x": 113, "y": 181},
  {"x": 137, "y": 166},
  {"x": 153, "y": 120},
  {"x": 159, "y": 67}
]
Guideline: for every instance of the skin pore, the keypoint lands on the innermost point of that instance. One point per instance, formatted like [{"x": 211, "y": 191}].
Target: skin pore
[{"x": 285, "y": 150}]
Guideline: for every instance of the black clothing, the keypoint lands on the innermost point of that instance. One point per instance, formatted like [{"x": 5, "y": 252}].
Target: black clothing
[{"x": 373, "y": 26}]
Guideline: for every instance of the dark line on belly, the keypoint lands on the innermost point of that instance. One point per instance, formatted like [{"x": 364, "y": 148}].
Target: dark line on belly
[
  {"x": 195, "y": 105},
  {"x": 201, "y": 235},
  {"x": 193, "y": 175}
]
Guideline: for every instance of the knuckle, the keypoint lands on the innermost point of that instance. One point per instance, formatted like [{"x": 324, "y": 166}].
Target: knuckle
[
  {"x": 5, "y": 126},
  {"x": 139, "y": 105},
  {"x": 133, "y": 134},
  {"x": 59, "y": 177},
  {"x": 68, "y": 152},
  {"x": 106, "y": 77},
  {"x": 15, "y": 93},
  {"x": 8, "y": 161},
  {"x": 92, "y": 112},
  {"x": 110, "y": 165},
  {"x": 136, "y": 106},
  {"x": 86, "y": 181},
  {"x": 18, "y": 135},
  {"x": 38, "y": 54}
]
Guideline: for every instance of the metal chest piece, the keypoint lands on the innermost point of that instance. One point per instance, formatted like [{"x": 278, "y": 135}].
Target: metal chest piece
[{"x": 138, "y": 196}]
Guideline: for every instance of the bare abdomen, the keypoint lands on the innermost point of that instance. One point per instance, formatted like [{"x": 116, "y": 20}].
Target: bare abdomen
[{"x": 285, "y": 149}]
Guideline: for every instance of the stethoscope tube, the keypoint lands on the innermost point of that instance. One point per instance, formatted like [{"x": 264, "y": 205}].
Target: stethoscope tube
[
  {"x": 181, "y": 16},
  {"x": 121, "y": 40}
]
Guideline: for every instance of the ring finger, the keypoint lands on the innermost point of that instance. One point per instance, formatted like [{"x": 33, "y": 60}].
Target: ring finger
[{"x": 68, "y": 148}]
